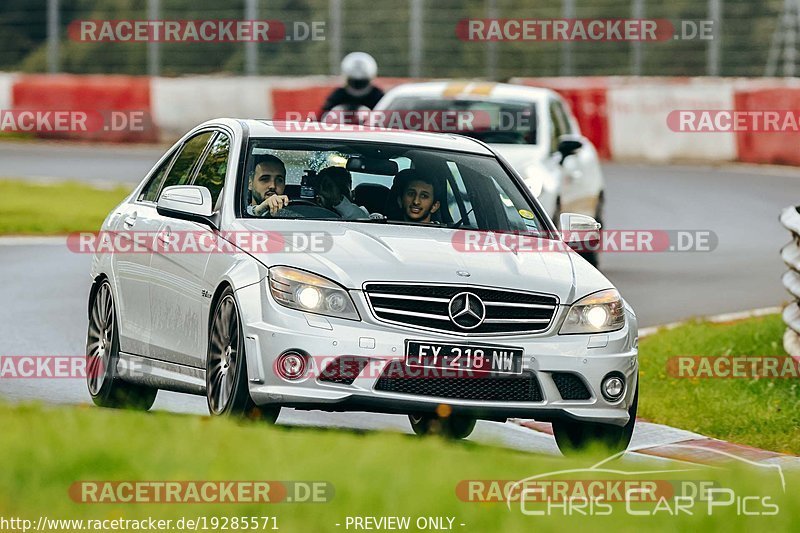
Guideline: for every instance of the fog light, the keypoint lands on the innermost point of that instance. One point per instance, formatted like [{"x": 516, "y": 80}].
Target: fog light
[
  {"x": 613, "y": 387},
  {"x": 291, "y": 366}
]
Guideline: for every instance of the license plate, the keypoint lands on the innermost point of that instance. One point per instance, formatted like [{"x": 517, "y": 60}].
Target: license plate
[{"x": 502, "y": 359}]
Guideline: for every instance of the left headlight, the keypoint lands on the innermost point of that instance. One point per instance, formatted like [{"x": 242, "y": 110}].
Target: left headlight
[
  {"x": 309, "y": 292},
  {"x": 600, "y": 312}
]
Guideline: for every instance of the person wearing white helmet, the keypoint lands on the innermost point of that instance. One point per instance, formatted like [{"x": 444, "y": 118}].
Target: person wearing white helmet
[{"x": 358, "y": 69}]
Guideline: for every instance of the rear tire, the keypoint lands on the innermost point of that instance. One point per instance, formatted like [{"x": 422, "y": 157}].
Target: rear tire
[
  {"x": 454, "y": 427},
  {"x": 227, "y": 390},
  {"x": 574, "y": 437},
  {"x": 105, "y": 386}
]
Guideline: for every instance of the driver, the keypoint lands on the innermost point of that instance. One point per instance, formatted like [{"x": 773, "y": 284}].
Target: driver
[{"x": 267, "y": 183}]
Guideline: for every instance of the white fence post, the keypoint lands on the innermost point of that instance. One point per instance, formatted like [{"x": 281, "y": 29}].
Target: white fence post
[{"x": 790, "y": 218}]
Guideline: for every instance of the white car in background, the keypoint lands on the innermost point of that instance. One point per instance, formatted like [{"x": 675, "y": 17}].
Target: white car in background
[{"x": 558, "y": 164}]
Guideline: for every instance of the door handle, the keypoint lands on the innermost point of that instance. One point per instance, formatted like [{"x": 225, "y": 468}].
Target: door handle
[
  {"x": 164, "y": 236},
  {"x": 129, "y": 221}
]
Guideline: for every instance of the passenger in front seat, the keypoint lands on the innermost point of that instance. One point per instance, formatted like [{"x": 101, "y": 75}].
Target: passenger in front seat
[{"x": 416, "y": 195}]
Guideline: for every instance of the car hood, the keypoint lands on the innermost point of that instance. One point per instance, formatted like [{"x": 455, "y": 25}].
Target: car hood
[{"x": 362, "y": 252}]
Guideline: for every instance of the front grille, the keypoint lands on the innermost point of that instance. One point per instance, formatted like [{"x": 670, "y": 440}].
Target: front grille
[
  {"x": 502, "y": 388},
  {"x": 426, "y": 306},
  {"x": 343, "y": 370},
  {"x": 570, "y": 386}
]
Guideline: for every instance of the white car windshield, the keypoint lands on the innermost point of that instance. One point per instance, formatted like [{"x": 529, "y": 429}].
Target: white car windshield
[
  {"x": 387, "y": 183},
  {"x": 492, "y": 121}
]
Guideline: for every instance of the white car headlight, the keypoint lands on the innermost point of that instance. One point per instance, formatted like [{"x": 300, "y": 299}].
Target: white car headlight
[
  {"x": 309, "y": 292},
  {"x": 597, "y": 313}
]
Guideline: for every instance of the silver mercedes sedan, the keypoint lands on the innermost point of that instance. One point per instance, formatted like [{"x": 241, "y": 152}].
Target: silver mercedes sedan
[{"x": 267, "y": 265}]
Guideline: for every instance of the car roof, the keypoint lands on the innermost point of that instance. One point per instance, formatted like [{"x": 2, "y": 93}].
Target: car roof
[
  {"x": 471, "y": 90},
  {"x": 309, "y": 131}
]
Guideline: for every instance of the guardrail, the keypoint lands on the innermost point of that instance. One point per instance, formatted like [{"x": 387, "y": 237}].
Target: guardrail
[{"x": 790, "y": 218}]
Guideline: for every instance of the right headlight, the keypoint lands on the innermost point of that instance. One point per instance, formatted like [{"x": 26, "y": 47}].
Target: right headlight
[
  {"x": 309, "y": 292},
  {"x": 599, "y": 312}
]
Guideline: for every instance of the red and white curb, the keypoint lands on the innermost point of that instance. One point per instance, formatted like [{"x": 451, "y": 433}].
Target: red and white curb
[{"x": 659, "y": 441}]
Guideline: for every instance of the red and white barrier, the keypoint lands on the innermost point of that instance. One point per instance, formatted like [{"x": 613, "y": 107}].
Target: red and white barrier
[
  {"x": 625, "y": 117},
  {"x": 179, "y": 104},
  {"x": 100, "y": 95},
  {"x": 6, "y": 87},
  {"x": 637, "y": 121}
]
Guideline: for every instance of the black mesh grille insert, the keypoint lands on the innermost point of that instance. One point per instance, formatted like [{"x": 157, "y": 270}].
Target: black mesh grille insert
[
  {"x": 426, "y": 306},
  {"x": 509, "y": 388},
  {"x": 570, "y": 386},
  {"x": 343, "y": 370}
]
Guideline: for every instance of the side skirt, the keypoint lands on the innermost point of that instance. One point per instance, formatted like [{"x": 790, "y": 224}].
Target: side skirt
[{"x": 161, "y": 374}]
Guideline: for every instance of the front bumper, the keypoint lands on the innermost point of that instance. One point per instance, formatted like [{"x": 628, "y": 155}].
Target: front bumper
[{"x": 271, "y": 330}]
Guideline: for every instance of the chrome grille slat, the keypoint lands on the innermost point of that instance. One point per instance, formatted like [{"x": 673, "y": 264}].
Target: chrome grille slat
[
  {"x": 407, "y": 297},
  {"x": 425, "y": 306},
  {"x": 530, "y": 306},
  {"x": 411, "y": 313},
  {"x": 517, "y": 320}
]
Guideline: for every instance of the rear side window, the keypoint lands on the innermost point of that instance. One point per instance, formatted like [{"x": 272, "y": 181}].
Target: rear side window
[
  {"x": 150, "y": 191},
  {"x": 181, "y": 171},
  {"x": 212, "y": 173}
]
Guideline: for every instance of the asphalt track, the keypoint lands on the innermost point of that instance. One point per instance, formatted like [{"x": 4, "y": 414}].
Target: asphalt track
[{"x": 44, "y": 286}]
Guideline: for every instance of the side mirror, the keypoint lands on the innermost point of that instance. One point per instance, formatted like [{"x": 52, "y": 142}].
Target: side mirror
[
  {"x": 568, "y": 145},
  {"x": 580, "y": 232},
  {"x": 187, "y": 202}
]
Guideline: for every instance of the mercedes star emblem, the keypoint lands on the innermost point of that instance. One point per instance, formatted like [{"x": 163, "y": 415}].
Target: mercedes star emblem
[{"x": 466, "y": 310}]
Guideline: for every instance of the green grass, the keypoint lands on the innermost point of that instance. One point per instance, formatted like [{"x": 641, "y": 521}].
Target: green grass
[
  {"x": 54, "y": 208},
  {"x": 47, "y": 449},
  {"x": 764, "y": 413}
]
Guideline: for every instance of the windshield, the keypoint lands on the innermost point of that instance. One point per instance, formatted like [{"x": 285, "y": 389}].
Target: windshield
[
  {"x": 383, "y": 183},
  {"x": 497, "y": 122}
]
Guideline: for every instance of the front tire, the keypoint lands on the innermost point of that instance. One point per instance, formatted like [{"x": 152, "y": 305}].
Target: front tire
[
  {"x": 575, "y": 437},
  {"x": 227, "y": 391},
  {"x": 454, "y": 427},
  {"x": 105, "y": 386}
]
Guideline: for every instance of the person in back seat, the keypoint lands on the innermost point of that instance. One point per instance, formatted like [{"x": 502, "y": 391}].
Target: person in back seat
[{"x": 333, "y": 192}]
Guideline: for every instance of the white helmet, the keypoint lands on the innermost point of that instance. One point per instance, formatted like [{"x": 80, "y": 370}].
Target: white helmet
[{"x": 360, "y": 69}]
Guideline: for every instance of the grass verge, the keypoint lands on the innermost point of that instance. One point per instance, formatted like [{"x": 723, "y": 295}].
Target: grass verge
[
  {"x": 54, "y": 208},
  {"x": 764, "y": 413},
  {"x": 47, "y": 449}
]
